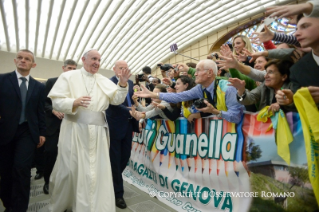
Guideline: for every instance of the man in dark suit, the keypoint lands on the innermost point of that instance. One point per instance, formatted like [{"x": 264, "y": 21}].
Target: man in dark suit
[
  {"x": 121, "y": 126},
  {"x": 53, "y": 121},
  {"x": 305, "y": 72},
  {"x": 22, "y": 129}
]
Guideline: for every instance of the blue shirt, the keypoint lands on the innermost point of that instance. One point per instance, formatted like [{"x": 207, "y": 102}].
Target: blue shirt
[{"x": 234, "y": 112}]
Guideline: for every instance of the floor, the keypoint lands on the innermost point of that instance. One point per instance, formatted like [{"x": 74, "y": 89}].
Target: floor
[{"x": 136, "y": 199}]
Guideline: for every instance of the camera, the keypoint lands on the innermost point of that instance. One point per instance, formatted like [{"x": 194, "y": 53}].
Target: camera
[
  {"x": 215, "y": 55},
  {"x": 140, "y": 77},
  {"x": 165, "y": 67},
  {"x": 199, "y": 103}
]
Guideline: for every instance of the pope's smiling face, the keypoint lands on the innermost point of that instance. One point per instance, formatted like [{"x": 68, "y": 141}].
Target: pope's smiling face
[{"x": 91, "y": 62}]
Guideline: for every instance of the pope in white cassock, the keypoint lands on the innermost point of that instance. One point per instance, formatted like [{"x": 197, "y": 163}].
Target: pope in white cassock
[{"x": 82, "y": 178}]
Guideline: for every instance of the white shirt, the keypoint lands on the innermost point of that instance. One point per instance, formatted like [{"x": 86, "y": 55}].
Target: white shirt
[
  {"x": 316, "y": 58},
  {"x": 20, "y": 81}
]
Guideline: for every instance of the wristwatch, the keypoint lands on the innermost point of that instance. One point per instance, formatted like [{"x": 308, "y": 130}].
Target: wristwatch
[
  {"x": 241, "y": 98},
  {"x": 219, "y": 115}
]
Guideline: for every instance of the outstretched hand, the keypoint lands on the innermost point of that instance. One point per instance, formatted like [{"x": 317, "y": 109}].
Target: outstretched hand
[
  {"x": 227, "y": 62},
  {"x": 136, "y": 114},
  {"x": 242, "y": 57},
  {"x": 124, "y": 75},
  {"x": 289, "y": 10},
  {"x": 158, "y": 105},
  {"x": 238, "y": 84},
  {"x": 225, "y": 51},
  {"x": 145, "y": 93},
  {"x": 261, "y": 37},
  {"x": 255, "y": 55}
]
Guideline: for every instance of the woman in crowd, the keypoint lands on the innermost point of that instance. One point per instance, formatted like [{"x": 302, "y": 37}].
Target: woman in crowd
[
  {"x": 186, "y": 109},
  {"x": 276, "y": 78},
  {"x": 231, "y": 63},
  {"x": 241, "y": 42}
]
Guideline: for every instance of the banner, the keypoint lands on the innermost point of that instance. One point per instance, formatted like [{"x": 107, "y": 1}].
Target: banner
[{"x": 214, "y": 165}]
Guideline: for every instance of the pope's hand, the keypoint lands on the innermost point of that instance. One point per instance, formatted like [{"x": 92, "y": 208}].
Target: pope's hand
[
  {"x": 83, "y": 101},
  {"x": 124, "y": 75}
]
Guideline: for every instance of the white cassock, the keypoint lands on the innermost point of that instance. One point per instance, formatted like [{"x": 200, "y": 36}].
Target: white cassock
[{"x": 82, "y": 177}]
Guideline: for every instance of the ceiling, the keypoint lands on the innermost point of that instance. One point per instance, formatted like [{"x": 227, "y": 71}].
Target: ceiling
[{"x": 138, "y": 31}]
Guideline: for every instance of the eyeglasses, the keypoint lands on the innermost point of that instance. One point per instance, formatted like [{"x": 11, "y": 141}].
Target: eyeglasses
[{"x": 198, "y": 70}]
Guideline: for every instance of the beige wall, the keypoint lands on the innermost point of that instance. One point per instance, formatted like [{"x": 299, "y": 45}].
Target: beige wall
[{"x": 45, "y": 68}]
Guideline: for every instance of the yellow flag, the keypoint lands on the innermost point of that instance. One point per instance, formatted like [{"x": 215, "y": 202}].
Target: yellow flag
[
  {"x": 283, "y": 134},
  {"x": 186, "y": 111},
  {"x": 309, "y": 116},
  {"x": 283, "y": 137}
]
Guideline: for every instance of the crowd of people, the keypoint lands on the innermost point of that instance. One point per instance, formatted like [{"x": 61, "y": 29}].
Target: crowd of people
[
  {"x": 85, "y": 155},
  {"x": 251, "y": 78}
]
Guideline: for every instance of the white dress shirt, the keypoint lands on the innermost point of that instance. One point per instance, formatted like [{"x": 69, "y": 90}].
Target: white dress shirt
[{"x": 20, "y": 81}]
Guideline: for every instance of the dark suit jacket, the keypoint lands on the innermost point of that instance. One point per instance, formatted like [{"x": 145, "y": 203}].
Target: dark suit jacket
[
  {"x": 119, "y": 117},
  {"x": 52, "y": 122},
  {"x": 11, "y": 105},
  {"x": 304, "y": 73}
]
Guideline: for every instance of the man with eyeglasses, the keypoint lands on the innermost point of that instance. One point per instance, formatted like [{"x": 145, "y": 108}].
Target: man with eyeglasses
[{"x": 206, "y": 72}]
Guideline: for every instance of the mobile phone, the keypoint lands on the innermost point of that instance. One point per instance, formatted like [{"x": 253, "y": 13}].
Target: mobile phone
[{"x": 266, "y": 22}]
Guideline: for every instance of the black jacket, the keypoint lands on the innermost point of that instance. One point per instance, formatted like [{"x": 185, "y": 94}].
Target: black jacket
[
  {"x": 304, "y": 73},
  {"x": 118, "y": 116},
  {"x": 11, "y": 105},
  {"x": 52, "y": 122}
]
